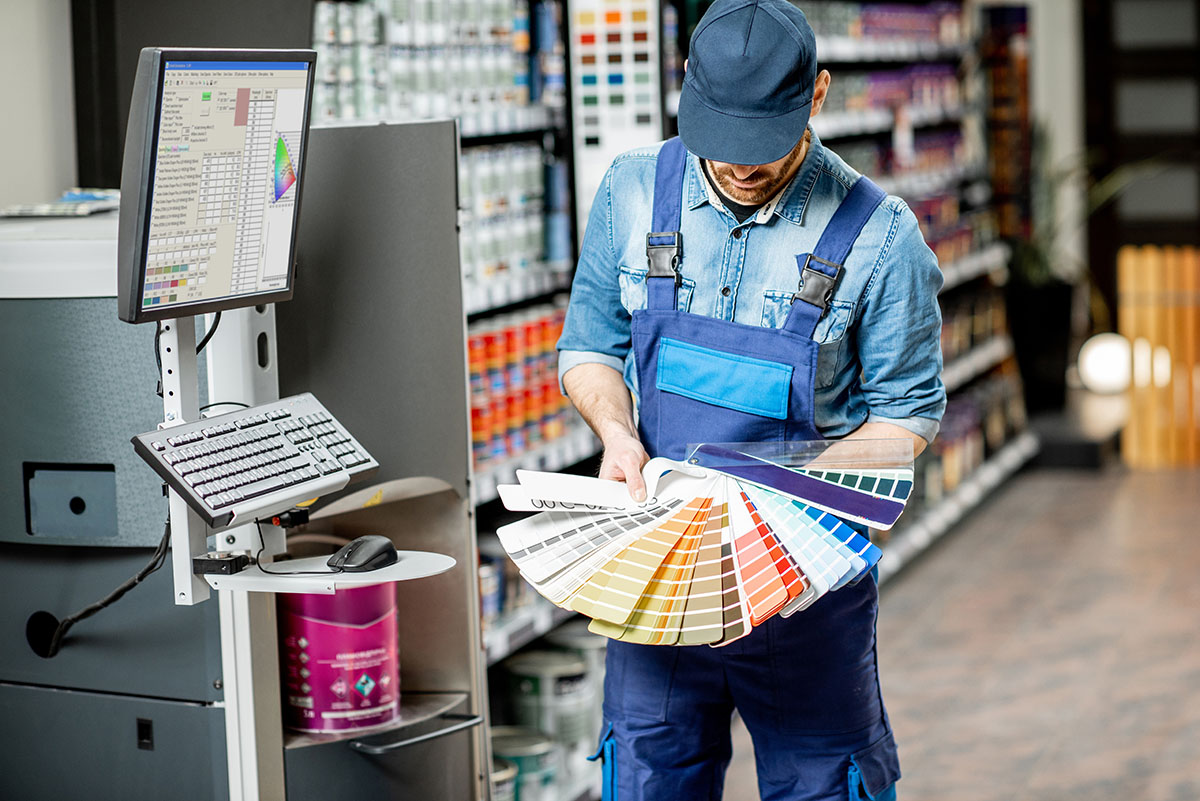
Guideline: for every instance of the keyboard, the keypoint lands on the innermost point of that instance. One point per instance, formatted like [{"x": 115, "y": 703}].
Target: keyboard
[{"x": 257, "y": 462}]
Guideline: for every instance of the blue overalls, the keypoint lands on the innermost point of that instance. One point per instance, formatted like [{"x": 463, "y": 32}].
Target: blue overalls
[{"x": 806, "y": 686}]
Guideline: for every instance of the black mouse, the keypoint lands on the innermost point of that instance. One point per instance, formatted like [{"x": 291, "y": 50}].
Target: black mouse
[{"x": 370, "y": 552}]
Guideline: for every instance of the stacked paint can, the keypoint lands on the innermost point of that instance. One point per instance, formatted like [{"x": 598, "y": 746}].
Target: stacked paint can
[
  {"x": 417, "y": 59},
  {"x": 339, "y": 659},
  {"x": 502, "y": 228},
  {"x": 504, "y": 780},
  {"x": 535, "y": 758},
  {"x": 515, "y": 401},
  {"x": 501, "y": 589},
  {"x": 552, "y": 692},
  {"x": 574, "y": 638}
]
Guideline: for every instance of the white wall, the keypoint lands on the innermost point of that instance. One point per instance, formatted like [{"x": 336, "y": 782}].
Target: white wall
[{"x": 37, "y": 101}]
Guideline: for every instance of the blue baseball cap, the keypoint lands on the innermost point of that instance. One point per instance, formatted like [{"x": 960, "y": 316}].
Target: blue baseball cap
[{"x": 748, "y": 89}]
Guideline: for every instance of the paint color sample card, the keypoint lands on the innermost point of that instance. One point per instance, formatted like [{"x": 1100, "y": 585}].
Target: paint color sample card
[
  {"x": 616, "y": 588},
  {"x": 704, "y": 613},
  {"x": 868, "y": 508},
  {"x": 710, "y": 555},
  {"x": 615, "y": 86}
]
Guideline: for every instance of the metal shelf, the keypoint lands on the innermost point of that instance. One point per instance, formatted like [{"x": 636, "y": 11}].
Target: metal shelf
[
  {"x": 414, "y": 708},
  {"x": 311, "y": 575},
  {"x": 501, "y": 123},
  {"x": 846, "y": 49},
  {"x": 502, "y": 290},
  {"x": 985, "y": 260},
  {"x": 835, "y": 124},
  {"x": 927, "y": 182},
  {"x": 577, "y": 444},
  {"x": 905, "y": 544},
  {"x": 521, "y": 627},
  {"x": 976, "y": 362}
]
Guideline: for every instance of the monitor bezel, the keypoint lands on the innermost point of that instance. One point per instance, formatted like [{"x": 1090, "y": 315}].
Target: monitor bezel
[{"x": 176, "y": 310}]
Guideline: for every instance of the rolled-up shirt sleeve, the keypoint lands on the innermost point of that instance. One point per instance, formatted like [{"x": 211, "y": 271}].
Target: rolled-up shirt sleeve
[
  {"x": 596, "y": 330},
  {"x": 899, "y": 334}
]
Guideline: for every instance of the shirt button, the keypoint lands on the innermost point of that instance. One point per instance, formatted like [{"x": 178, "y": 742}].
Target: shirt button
[
  {"x": 725, "y": 291},
  {"x": 737, "y": 233}
]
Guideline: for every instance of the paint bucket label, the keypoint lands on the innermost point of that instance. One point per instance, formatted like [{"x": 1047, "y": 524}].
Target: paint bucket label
[{"x": 339, "y": 661}]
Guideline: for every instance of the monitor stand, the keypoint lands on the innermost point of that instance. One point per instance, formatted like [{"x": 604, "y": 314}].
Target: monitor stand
[{"x": 249, "y": 640}]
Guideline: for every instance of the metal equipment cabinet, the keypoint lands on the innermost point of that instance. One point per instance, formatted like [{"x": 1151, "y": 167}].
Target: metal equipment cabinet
[{"x": 132, "y": 707}]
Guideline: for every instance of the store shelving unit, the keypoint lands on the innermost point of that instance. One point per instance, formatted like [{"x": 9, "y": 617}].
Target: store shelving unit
[
  {"x": 845, "y": 49},
  {"x": 928, "y": 182},
  {"x": 522, "y": 626},
  {"x": 961, "y": 371},
  {"x": 541, "y": 280},
  {"x": 577, "y": 444},
  {"x": 835, "y": 124},
  {"x": 987, "y": 260},
  {"x": 907, "y": 542}
]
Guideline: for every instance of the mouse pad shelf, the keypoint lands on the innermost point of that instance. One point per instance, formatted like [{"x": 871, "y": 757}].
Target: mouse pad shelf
[{"x": 312, "y": 575}]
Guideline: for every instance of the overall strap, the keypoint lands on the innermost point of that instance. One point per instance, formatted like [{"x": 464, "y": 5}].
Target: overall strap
[
  {"x": 664, "y": 243},
  {"x": 821, "y": 269}
]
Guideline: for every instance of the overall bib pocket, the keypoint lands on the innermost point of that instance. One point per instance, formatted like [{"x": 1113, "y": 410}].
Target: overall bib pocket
[
  {"x": 830, "y": 334},
  {"x": 633, "y": 290},
  {"x": 728, "y": 380}
]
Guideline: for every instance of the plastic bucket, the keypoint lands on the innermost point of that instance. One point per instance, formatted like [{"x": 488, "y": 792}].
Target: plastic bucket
[
  {"x": 338, "y": 659},
  {"x": 536, "y": 758}
]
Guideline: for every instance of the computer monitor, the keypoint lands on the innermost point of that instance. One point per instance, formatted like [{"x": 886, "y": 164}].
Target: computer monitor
[{"x": 210, "y": 186}]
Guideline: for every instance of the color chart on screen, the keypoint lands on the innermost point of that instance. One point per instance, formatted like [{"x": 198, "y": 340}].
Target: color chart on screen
[
  {"x": 616, "y": 92},
  {"x": 226, "y": 178}
]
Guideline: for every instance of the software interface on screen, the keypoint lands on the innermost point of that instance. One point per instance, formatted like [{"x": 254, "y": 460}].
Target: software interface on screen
[{"x": 224, "y": 195}]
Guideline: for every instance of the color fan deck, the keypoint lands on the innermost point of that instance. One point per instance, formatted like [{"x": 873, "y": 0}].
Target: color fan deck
[{"x": 724, "y": 541}]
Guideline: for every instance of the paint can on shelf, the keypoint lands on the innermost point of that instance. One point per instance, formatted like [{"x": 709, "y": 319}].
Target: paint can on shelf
[
  {"x": 504, "y": 780},
  {"x": 339, "y": 659},
  {"x": 574, "y": 637},
  {"x": 535, "y": 757},
  {"x": 552, "y": 692}
]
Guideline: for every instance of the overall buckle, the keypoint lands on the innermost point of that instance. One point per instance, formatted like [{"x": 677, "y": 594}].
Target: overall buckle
[
  {"x": 663, "y": 256},
  {"x": 816, "y": 287}
]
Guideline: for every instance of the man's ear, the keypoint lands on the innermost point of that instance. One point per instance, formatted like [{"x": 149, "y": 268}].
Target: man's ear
[{"x": 820, "y": 92}]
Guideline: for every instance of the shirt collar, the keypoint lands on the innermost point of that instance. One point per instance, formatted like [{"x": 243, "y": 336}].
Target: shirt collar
[{"x": 788, "y": 204}]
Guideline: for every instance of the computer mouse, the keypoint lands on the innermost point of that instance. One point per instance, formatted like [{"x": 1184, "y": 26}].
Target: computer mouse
[{"x": 369, "y": 552}]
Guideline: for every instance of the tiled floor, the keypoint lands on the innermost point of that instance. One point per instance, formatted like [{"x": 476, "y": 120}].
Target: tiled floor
[{"x": 1049, "y": 650}]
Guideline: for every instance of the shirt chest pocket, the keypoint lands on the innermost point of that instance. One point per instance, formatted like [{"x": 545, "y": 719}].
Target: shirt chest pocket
[
  {"x": 633, "y": 290},
  {"x": 832, "y": 351}
]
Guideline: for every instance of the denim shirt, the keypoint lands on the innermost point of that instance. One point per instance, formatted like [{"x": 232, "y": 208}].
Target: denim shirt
[{"x": 879, "y": 358}]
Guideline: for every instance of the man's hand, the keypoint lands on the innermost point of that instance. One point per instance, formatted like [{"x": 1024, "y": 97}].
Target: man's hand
[
  {"x": 624, "y": 458},
  {"x": 600, "y": 395}
]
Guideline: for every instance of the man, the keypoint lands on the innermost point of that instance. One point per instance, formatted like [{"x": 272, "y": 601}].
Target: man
[{"x": 751, "y": 288}]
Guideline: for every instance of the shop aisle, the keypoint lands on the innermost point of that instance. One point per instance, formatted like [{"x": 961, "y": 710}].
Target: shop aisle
[{"x": 1050, "y": 649}]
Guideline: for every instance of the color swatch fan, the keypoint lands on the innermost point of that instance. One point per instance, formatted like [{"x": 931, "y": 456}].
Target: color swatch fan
[{"x": 725, "y": 540}]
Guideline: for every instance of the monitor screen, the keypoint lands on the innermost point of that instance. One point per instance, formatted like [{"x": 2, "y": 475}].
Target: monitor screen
[{"x": 221, "y": 185}]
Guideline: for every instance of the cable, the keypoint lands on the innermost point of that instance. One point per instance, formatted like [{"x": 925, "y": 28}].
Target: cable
[
  {"x": 224, "y": 403},
  {"x": 209, "y": 335},
  {"x": 158, "y": 358},
  {"x": 156, "y": 561},
  {"x": 263, "y": 546}
]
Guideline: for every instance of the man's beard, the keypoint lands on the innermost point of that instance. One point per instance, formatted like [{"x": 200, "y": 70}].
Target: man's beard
[{"x": 723, "y": 177}]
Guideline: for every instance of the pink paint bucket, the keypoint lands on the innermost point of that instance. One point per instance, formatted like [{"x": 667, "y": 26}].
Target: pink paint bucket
[{"x": 338, "y": 659}]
